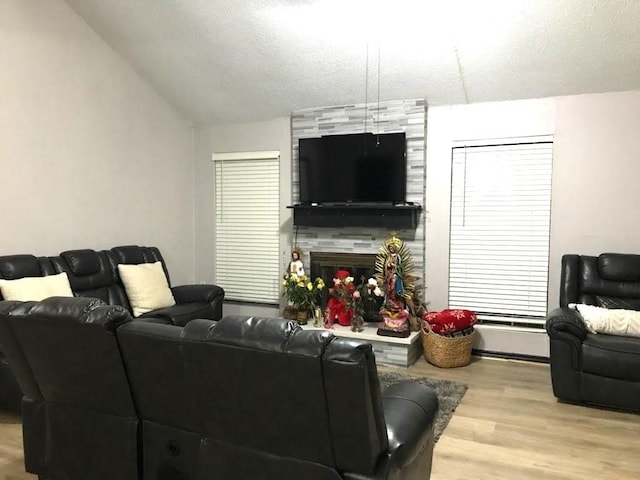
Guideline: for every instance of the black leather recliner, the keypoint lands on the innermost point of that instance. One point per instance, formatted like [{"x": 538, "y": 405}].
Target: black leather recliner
[
  {"x": 592, "y": 368},
  {"x": 257, "y": 398},
  {"x": 94, "y": 274},
  {"x": 13, "y": 267},
  {"x": 79, "y": 420},
  {"x": 24, "y": 394}
]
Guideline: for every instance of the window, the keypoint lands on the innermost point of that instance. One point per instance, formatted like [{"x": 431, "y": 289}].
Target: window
[
  {"x": 247, "y": 225},
  {"x": 499, "y": 238}
]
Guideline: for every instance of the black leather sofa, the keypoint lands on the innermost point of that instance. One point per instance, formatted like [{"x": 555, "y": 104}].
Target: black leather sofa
[
  {"x": 242, "y": 398},
  {"x": 94, "y": 274},
  {"x": 592, "y": 368}
]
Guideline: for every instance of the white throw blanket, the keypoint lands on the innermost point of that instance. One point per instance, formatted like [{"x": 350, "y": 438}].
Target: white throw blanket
[{"x": 609, "y": 321}]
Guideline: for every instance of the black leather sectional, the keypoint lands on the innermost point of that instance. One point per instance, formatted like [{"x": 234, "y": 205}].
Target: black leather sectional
[
  {"x": 593, "y": 368},
  {"x": 94, "y": 274},
  {"x": 242, "y": 398}
]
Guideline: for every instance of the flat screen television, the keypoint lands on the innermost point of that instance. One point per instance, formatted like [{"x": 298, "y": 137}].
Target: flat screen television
[{"x": 363, "y": 167}]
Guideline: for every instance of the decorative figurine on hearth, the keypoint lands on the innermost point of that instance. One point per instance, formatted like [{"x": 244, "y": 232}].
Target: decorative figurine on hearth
[
  {"x": 296, "y": 267},
  {"x": 394, "y": 267},
  {"x": 340, "y": 306}
]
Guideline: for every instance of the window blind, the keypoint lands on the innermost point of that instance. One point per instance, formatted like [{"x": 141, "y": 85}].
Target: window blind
[
  {"x": 499, "y": 234},
  {"x": 247, "y": 225}
]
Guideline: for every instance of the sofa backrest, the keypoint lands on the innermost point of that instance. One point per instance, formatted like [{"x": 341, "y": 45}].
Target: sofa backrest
[
  {"x": 268, "y": 399},
  {"x": 14, "y": 267},
  {"x": 91, "y": 275},
  {"x": 355, "y": 406},
  {"x": 610, "y": 280},
  {"x": 11, "y": 349},
  {"x": 134, "y": 255},
  {"x": 73, "y": 355}
]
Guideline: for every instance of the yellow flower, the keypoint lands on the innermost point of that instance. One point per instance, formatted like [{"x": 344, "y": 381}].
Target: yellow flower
[
  {"x": 301, "y": 284},
  {"x": 310, "y": 286},
  {"x": 284, "y": 283}
]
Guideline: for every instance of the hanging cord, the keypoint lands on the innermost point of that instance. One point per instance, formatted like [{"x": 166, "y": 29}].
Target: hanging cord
[
  {"x": 378, "y": 109},
  {"x": 366, "y": 89},
  {"x": 464, "y": 189}
]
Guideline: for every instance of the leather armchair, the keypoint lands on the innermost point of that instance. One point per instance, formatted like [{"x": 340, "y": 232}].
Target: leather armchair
[
  {"x": 595, "y": 368},
  {"x": 259, "y": 398}
]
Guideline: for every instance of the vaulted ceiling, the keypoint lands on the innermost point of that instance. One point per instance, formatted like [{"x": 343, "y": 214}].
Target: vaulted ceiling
[{"x": 227, "y": 61}]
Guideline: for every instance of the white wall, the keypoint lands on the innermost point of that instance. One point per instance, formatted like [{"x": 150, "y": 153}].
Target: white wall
[
  {"x": 446, "y": 125},
  {"x": 259, "y": 136},
  {"x": 595, "y": 205},
  {"x": 596, "y": 169},
  {"x": 90, "y": 155}
]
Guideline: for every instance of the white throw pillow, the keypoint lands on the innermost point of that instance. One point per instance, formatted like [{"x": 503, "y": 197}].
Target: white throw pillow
[
  {"x": 146, "y": 286},
  {"x": 613, "y": 321},
  {"x": 36, "y": 288}
]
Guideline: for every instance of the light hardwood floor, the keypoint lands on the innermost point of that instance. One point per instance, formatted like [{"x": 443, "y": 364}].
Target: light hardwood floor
[{"x": 508, "y": 426}]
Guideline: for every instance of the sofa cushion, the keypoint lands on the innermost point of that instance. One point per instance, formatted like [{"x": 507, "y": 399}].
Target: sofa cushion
[
  {"x": 146, "y": 286},
  {"x": 36, "y": 288},
  {"x": 610, "y": 321}
]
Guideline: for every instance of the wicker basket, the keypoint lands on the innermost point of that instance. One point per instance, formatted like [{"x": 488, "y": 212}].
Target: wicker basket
[{"x": 446, "y": 352}]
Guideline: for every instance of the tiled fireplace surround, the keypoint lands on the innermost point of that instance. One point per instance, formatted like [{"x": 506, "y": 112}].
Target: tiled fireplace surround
[
  {"x": 360, "y": 245},
  {"x": 407, "y": 116}
]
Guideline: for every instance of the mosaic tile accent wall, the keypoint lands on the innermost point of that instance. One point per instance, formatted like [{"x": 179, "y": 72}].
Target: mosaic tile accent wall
[{"x": 407, "y": 116}]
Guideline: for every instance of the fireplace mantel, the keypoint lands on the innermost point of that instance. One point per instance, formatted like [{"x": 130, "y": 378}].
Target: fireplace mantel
[{"x": 402, "y": 217}]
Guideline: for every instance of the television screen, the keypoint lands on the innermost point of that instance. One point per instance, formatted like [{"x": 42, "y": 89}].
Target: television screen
[{"x": 362, "y": 167}]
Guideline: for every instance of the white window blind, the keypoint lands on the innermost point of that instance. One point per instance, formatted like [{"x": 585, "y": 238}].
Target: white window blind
[
  {"x": 247, "y": 225},
  {"x": 499, "y": 238}
]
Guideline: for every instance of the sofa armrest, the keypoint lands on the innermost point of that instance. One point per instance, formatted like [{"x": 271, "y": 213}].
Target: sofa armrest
[
  {"x": 150, "y": 319},
  {"x": 409, "y": 410},
  {"x": 566, "y": 324},
  {"x": 197, "y": 293}
]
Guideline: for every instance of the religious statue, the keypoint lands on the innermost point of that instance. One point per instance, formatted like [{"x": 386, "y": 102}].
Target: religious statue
[
  {"x": 393, "y": 270},
  {"x": 296, "y": 267}
]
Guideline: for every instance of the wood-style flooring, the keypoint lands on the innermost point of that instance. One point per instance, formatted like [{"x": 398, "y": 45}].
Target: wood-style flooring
[{"x": 508, "y": 426}]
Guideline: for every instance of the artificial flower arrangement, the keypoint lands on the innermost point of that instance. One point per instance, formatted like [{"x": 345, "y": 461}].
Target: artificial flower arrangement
[
  {"x": 366, "y": 296},
  {"x": 346, "y": 299},
  {"x": 301, "y": 292},
  {"x": 340, "y": 305}
]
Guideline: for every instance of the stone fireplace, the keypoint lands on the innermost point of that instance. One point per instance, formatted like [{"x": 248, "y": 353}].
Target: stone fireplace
[{"x": 407, "y": 116}]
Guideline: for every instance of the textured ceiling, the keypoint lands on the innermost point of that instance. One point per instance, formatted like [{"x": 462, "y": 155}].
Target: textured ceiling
[{"x": 226, "y": 61}]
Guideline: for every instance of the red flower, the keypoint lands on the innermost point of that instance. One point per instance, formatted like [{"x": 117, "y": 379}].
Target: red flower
[{"x": 340, "y": 304}]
